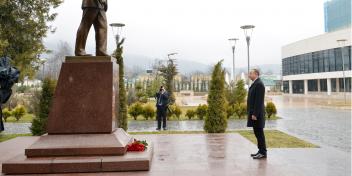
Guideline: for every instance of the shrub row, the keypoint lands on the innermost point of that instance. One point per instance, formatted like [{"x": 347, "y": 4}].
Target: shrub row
[
  {"x": 17, "y": 113},
  {"x": 148, "y": 111}
]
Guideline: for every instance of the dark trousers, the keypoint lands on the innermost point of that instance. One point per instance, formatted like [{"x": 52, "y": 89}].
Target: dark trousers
[
  {"x": 161, "y": 116},
  {"x": 259, "y": 134},
  {"x": 97, "y": 18}
]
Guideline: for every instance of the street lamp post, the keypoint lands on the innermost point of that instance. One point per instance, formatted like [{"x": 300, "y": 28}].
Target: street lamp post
[
  {"x": 248, "y": 29},
  {"x": 233, "y": 42},
  {"x": 117, "y": 30},
  {"x": 342, "y": 43},
  {"x": 171, "y": 54}
]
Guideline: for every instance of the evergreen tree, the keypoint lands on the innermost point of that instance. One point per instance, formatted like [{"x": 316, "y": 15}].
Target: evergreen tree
[
  {"x": 270, "y": 109},
  {"x": 236, "y": 93},
  {"x": 18, "y": 112},
  {"x": 121, "y": 110},
  {"x": 169, "y": 72},
  {"x": 216, "y": 120},
  {"x": 135, "y": 110},
  {"x": 148, "y": 111},
  {"x": 190, "y": 113},
  {"x": 240, "y": 92},
  {"x": 39, "y": 122},
  {"x": 201, "y": 111},
  {"x": 23, "y": 25},
  {"x": 154, "y": 86},
  {"x": 240, "y": 109}
]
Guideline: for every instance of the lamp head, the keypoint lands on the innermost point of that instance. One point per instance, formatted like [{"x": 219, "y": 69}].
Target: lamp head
[
  {"x": 233, "y": 41},
  {"x": 171, "y": 54},
  {"x": 248, "y": 29},
  {"x": 117, "y": 28}
]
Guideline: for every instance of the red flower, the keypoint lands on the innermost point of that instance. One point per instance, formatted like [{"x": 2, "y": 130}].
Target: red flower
[{"x": 137, "y": 146}]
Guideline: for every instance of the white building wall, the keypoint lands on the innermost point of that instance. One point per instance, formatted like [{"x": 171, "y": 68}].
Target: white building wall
[
  {"x": 322, "y": 75},
  {"x": 318, "y": 43}
]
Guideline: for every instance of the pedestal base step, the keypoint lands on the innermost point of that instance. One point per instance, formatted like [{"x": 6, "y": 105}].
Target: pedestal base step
[
  {"x": 80, "y": 145},
  {"x": 131, "y": 161}
]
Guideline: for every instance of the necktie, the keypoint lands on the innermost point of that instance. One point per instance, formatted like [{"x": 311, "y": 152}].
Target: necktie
[{"x": 159, "y": 99}]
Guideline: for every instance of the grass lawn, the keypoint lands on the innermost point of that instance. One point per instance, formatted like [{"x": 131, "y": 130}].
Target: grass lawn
[
  {"x": 274, "y": 138},
  {"x": 278, "y": 139},
  {"x": 27, "y": 118},
  {"x": 5, "y": 137}
]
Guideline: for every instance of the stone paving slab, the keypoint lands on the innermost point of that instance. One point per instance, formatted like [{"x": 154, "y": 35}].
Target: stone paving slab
[{"x": 219, "y": 154}]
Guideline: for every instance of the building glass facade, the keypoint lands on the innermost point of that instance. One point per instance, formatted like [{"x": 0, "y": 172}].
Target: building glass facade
[
  {"x": 316, "y": 62},
  {"x": 298, "y": 86},
  {"x": 337, "y": 14},
  {"x": 342, "y": 85},
  {"x": 285, "y": 86},
  {"x": 323, "y": 85},
  {"x": 313, "y": 85}
]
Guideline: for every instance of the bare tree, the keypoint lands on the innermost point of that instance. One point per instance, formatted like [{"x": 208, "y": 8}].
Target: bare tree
[{"x": 53, "y": 64}]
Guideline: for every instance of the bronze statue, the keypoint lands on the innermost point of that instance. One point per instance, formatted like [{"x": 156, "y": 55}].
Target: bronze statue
[{"x": 93, "y": 14}]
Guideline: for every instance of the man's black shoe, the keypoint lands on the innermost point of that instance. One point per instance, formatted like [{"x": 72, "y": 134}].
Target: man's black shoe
[
  {"x": 252, "y": 155},
  {"x": 158, "y": 129},
  {"x": 259, "y": 156}
]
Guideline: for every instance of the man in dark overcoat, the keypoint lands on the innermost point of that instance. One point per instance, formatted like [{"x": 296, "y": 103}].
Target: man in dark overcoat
[{"x": 256, "y": 112}]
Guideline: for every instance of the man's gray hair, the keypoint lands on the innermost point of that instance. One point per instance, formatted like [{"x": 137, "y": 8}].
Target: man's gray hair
[{"x": 256, "y": 71}]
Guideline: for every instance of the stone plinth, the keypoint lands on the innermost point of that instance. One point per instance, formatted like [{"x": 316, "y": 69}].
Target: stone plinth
[
  {"x": 81, "y": 127},
  {"x": 80, "y": 145},
  {"x": 84, "y": 97},
  {"x": 133, "y": 161}
]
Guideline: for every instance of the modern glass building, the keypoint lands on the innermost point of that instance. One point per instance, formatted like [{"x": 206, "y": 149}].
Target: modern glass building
[
  {"x": 337, "y": 14},
  {"x": 318, "y": 65}
]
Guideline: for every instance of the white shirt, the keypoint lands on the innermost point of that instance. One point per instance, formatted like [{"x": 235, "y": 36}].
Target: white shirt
[{"x": 255, "y": 79}]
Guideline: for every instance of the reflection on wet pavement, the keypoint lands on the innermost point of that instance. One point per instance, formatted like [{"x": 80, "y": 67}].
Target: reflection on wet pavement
[
  {"x": 306, "y": 118},
  {"x": 193, "y": 125},
  {"x": 302, "y": 117},
  {"x": 215, "y": 155}
]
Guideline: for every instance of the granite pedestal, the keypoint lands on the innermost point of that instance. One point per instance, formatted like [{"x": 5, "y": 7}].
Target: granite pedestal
[
  {"x": 82, "y": 136},
  {"x": 84, "y": 97}
]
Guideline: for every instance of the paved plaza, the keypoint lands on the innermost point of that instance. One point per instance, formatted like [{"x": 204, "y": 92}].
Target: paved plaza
[{"x": 218, "y": 154}]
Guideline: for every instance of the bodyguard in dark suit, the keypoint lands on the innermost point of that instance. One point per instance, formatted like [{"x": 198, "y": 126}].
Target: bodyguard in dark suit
[
  {"x": 256, "y": 112},
  {"x": 162, "y": 103},
  {"x": 93, "y": 14}
]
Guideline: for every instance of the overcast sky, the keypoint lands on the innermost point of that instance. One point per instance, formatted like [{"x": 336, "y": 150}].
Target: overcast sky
[{"x": 198, "y": 29}]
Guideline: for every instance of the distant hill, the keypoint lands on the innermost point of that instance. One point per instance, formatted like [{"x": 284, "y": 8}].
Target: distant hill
[
  {"x": 136, "y": 63},
  {"x": 265, "y": 68}
]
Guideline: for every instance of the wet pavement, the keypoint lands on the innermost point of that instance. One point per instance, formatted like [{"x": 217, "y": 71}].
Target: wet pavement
[
  {"x": 218, "y": 154},
  {"x": 192, "y": 125},
  {"x": 17, "y": 128},
  {"x": 228, "y": 154},
  {"x": 305, "y": 118},
  {"x": 301, "y": 117}
]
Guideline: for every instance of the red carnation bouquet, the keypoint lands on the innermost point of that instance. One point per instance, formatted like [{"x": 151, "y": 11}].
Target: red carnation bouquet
[{"x": 137, "y": 146}]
